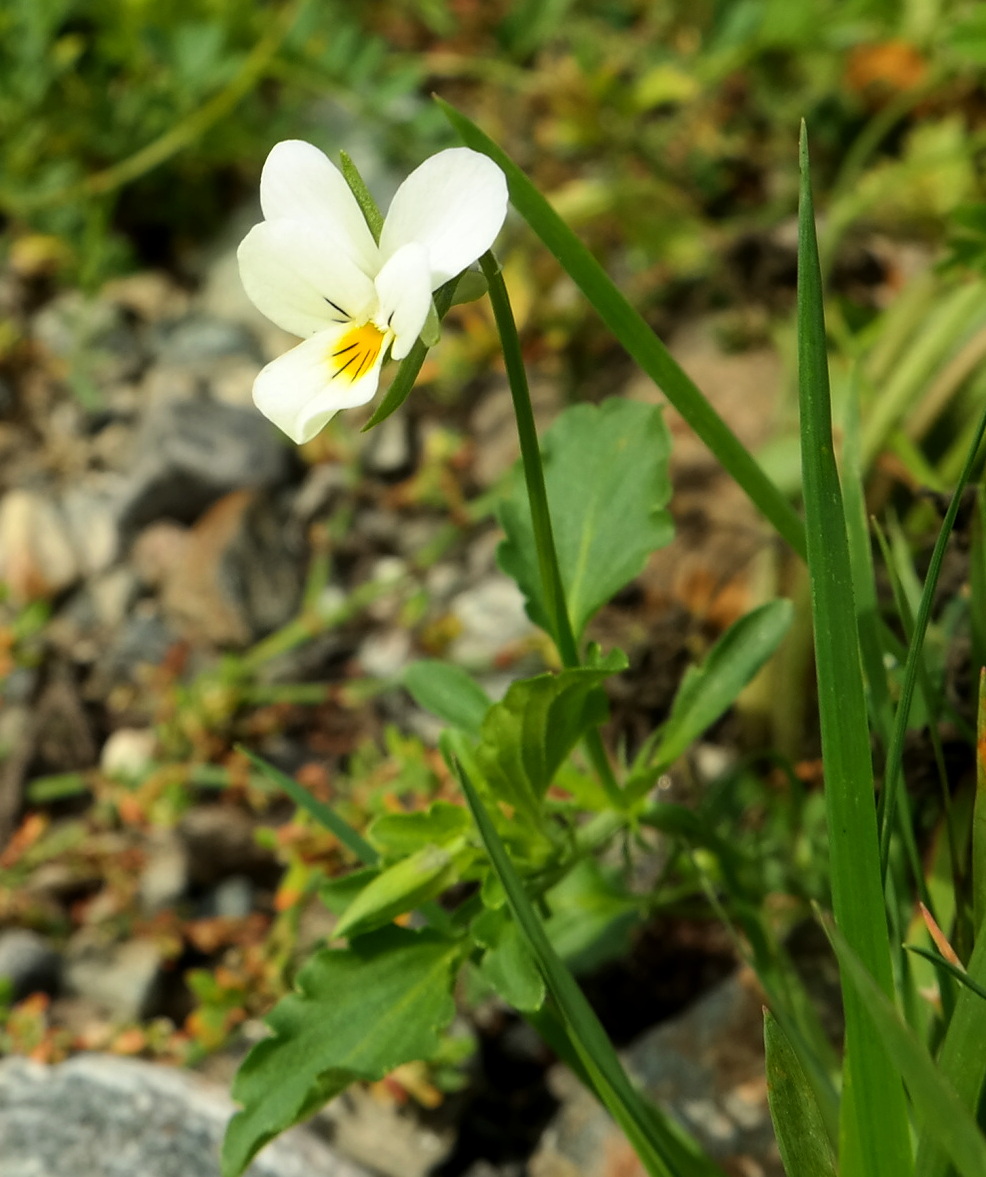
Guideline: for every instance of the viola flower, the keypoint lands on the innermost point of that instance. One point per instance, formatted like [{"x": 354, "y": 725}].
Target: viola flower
[{"x": 312, "y": 266}]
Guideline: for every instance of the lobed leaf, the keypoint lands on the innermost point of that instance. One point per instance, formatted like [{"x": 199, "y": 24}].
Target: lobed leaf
[
  {"x": 606, "y": 475},
  {"x": 358, "y": 1013},
  {"x": 525, "y": 737}
]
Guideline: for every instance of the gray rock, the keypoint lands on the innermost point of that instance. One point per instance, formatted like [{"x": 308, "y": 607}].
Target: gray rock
[
  {"x": 391, "y": 450},
  {"x": 28, "y": 963},
  {"x": 188, "y": 454},
  {"x": 232, "y": 898},
  {"x": 122, "y": 979},
  {"x": 705, "y": 1067},
  {"x": 92, "y": 336},
  {"x": 491, "y": 617},
  {"x": 99, "y": 1116},
  {"x": 199, "y": 338},
  {"x": 37, "y": 558},
  {"x": 165, "y": 877}
]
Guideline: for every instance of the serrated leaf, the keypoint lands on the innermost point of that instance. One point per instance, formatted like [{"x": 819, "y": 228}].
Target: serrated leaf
[
  {"x": 396, "y": 834},
  {"x": 527, "y": 735},
  {"x": 799, "y": 1126},
  {"x": 448, "y": 692},
  {"x": 606, "y": 474},
  {"x": 708, "y": 690},
  {"x": 358, "y": 1013},
  {"x": 508, "y": 964},
  {"x": 398, "y": 889}
]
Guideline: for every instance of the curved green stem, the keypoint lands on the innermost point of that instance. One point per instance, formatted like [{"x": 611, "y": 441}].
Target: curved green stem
[{"x": 544, "y": 540}]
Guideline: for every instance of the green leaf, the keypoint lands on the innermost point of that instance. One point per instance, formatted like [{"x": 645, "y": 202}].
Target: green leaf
[
  {"x": 448, "y": 692},
  {"x": 339, "y": 892},
  {"x": 527, "y": 735},
  {"x": 358, "y": 1013},
  {"x": 707, "y": 690},
  {"x": 591, "y": 917},
  {"x": 665, "y": 1149},
  {"x": 397, "y": 834},
  {"x": 606, "y": 473},
  {"x": 799, "y": 1126},
  {"x": 507, "y": 963},
  {"x": 636, "y": 336},
  {"x": 962, "y": 1057},
  {"x": 943, "y": 1115},
  {"x": 875, "y": 1132},
  {"x": 399, "y": 889}
]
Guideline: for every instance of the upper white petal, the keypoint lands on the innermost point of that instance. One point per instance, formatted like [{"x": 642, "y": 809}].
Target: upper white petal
[
  {"x": 294, "y": 271},
  {"x": 296, "y": 391},
  {"x": 404, "y": 290},
  {"x": 454, "y": 205},
  {"x": 301, "y": 183}
]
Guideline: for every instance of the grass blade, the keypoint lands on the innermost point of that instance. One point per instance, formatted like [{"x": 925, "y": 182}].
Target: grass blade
[
  {"x": 799, "y": 1126},
  {"x": 944, "y": 1116},
  {"x": 962, "y": 1057},
  {"x": 874, "y": 1115},
  {"x": 324, "y": 814},
  {"x": 639, "y": 340}
]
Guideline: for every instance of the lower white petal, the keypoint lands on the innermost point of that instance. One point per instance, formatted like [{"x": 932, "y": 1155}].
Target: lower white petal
[
  {"x": 454, "y": 205},
  {"x": 404, "y": 290},
  {"x": 302, "y": 276},
  {"x": 338, "y": 368}
]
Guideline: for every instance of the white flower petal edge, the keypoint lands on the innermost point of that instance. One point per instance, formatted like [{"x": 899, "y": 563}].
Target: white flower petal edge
[
  {"x": 454, "y": 205},
  {"x": 313, "y": 268},
  {"x": 301, "y": 183},
  {"x": 303, "y": 389}
]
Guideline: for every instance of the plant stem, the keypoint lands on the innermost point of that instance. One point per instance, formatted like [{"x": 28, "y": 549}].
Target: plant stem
[{"x": 544, "y": 540}]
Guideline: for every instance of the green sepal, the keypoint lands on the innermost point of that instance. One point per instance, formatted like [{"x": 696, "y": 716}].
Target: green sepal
[{"x": 367, "y": 205}]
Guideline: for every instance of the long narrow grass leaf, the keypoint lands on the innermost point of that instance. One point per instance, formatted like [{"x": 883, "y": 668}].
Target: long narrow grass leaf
[
  {"x": 943, "y": 1114},
  {"x": 874, "y": 1116},
  {"x": 962, "y": 1057},
  {"x": 324, "y": 814},
  {"x": 634, "y": 334},
  {"x": 915, "y": 652},
  {"x": 799, "y": 1125}
]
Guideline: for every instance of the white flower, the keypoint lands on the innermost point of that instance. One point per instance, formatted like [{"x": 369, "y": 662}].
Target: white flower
[{"x": 313, "y": 267}]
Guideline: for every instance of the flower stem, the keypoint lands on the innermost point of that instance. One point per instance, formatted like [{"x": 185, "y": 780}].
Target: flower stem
[{"x": 544, "y": 540}]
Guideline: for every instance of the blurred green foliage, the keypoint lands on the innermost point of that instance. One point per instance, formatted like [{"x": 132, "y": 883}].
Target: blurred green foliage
[{"x": 133, "y": 128}]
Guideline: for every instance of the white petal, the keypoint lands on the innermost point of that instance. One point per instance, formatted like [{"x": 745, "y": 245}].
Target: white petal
[
  {"x": 299, "y": 275},
  {"x": 301, "y": 390},
  {"x": 404, "y": 290},
  {"x": 454, "y": 205},
  {"x": 301, "y": 183}
]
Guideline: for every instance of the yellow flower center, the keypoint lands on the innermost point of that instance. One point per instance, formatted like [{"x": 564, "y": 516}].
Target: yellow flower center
[{"x": 352, "y": 356}]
